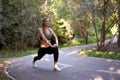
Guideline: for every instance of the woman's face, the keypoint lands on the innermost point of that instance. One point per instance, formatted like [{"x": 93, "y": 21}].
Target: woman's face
[{"x": 46, "y": 22}]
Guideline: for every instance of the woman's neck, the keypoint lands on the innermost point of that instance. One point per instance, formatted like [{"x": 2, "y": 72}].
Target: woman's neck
[{"x": 45, "y": 27}]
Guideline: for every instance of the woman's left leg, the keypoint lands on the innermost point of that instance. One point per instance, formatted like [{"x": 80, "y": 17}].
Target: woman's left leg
[{"x": 56, "y": 56}]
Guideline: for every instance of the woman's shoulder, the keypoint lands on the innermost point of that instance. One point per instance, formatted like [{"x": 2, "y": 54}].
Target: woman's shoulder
[
  {"x": 50, "y": 29},
  {"x": 39, "y": 28}
]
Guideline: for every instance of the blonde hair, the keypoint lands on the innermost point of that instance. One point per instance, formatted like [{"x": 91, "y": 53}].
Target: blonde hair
[{"x": 43, "y": 19}]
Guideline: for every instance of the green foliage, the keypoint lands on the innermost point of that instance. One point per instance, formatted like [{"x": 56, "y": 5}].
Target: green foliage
[
  {"x": 74, "y": 42},
  {"x": 91, "y": 39},
  {"x": 61, "y": 31},
  {"x": 10, "y": 54},
  {"x": 20, "y": 22},
  {"x": 10, "y": 22},
  {"x": 21, "y": 18},
  {"x": 94, "y": 53}
]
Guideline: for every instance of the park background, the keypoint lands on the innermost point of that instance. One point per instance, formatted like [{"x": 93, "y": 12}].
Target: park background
[{"x": 76, "y": 22}]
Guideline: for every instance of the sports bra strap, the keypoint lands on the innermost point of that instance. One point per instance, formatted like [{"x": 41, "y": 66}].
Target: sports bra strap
[{"x": 47, "y": 36}]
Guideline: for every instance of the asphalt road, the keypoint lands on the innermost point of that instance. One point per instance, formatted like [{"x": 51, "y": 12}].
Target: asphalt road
[{"x": 73, "y": 65}]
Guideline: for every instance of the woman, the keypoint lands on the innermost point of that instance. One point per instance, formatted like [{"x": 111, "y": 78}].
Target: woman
[{"x": 46, "y": 47}]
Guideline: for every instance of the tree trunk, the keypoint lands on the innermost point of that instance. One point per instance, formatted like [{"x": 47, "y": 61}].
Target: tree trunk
[
  {"x": 118, "y": 3},
  {"x": 1, "y": 40},
  {"x": 96, "y": 32},
  {"x": 102, "y": 43},
  {"x": 85, "y": 35}
]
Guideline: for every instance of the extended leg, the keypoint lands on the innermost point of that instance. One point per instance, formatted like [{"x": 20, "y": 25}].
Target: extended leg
[
  {"x": 38, "y": 57},
  {"x": 56, "y": 56}
]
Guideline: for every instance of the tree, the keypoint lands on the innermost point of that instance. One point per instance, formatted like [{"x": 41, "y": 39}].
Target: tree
[
  {"x": 1, "y": 18},
  {"x": 92, "y": 17},
  {"x": 118, "y": 4},
  {"x": 102, "y": 43},
  {"x": 21, "y": 18},
  {"x": 80, "y": 21},
  {"x": 10, "y": 22}
]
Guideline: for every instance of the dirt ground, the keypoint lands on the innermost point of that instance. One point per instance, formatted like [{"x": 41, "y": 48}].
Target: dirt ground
[{"x": 113, "y": 48}]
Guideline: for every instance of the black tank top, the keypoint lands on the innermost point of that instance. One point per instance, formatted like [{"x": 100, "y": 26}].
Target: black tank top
[{"x": 47, "y": 36}]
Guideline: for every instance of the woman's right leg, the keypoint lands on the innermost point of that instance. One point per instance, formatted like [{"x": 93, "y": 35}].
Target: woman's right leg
[{"x": 39, "y": 56}]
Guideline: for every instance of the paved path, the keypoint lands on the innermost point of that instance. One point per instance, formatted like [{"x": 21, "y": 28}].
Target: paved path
[{"x": 74, "y": 67}]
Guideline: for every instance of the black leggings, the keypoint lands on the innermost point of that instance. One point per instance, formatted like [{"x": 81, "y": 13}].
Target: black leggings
[{"x": 48, "y": 50}]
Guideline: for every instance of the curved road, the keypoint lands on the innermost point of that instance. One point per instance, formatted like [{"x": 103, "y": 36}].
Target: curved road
[{"x": 74, "y": 67}]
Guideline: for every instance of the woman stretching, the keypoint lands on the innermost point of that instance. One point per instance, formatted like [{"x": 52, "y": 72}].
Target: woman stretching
[{"x": 46, "y": 46}]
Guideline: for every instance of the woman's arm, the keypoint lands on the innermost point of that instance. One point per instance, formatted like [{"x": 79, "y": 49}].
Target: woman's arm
[
  {"x": 55, "y": 36},
  {"x": 43, "y": 37}
]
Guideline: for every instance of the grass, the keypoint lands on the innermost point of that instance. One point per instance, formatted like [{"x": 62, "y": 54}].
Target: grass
[
  {"x": 94, "y": 53},
  {"x": 4, "y": 59},
  {"x": 2, "y": 74},
  {"x": 73, "y": 42},
  {"x": 10, "y": 54}
]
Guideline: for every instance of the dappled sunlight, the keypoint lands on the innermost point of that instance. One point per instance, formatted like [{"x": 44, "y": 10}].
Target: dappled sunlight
[
  {"x": 61, "y": 52},
  {"x": 3, "y": 62},
  {"x": 114, "y": 29},
  {"x": 111, "y": 68},
  {"x": 33, "y": 55},
  {"x": 46, "y": 58},
  {"x": 110, "y": 53},
  {"x": 6, "y": 62},
  {"x": 90, "y": 50},
  {"x": 45, "y": 8},
  {"x": 108, "y": 60},
  {"x": 75, "y": 41},
  {"x": 1, "y": 65},
  {"x": 94, "y": 53},
  {"x": 87, "y": 52},
  {"x": 97, "y": 52},
  {"x": 66, "y": 23},
  {"x": 63, "y": 65},
  {"x": 70, "y": 53},
  {"x": 83, "y": 53},
  {"x": 118, "y": 71},
  {"x": 107, "y": 71},
  {"x": 2, "y": 73},
  {"x": 97, "y": 78}
]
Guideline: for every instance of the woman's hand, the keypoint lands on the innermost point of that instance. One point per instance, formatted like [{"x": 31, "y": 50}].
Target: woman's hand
[{"x": 54, "y": 45}]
